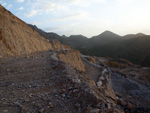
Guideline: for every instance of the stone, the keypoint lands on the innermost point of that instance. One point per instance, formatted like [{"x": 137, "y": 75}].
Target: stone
[
  {"x": 5, "y": 111},
  {"x": 95, "y": 110},
  {"x": 110, "y": 93},
  {"x": 99, "y": 83},
  {"x": 89, "y": 110},
  {"x": 121, "y": 102},
  {"x": 41, "y": 110},
  {"x": 76, "y": 81},
  {"x": 92, "y": 110},
  {"x": 72, "y": 57},
  {"x": 51, "y": 106},
  {"x": 8, "y": 70},
  {"x": 91, "y": 82},
  {"x": 129, "y": 106}
]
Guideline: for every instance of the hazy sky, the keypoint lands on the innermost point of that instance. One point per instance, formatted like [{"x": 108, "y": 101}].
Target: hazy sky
[{"x": 86, "y": 17}]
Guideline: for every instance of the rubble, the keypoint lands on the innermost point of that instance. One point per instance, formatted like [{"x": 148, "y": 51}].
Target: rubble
[{"x": 62, "y": 89}]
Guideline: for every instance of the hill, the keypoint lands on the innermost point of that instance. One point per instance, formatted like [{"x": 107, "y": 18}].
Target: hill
[
  {"x": 45, "y": 34},
  {"x": 76, "y": 41},
  {"x": 133, "y": 47},
  {"x": 133, "y": 35},
  {"x": 17, "y": 38},
  {"x": 104, "y": 38}
]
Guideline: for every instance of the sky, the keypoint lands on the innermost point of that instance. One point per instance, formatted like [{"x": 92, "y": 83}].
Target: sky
[{"x": 86, "y": 17}]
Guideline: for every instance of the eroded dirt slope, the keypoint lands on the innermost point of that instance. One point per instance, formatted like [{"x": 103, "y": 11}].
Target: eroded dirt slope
[{"x": 17, "y": 38}]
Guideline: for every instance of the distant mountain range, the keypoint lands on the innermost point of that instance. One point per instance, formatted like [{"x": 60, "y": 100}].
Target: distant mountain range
[{"x": 133, "y": 47}]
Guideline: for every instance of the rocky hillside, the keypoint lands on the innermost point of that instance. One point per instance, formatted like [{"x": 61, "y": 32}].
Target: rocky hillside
[
  {"x": 17, "y": 38},
  {"x": 45, "y": 34}
]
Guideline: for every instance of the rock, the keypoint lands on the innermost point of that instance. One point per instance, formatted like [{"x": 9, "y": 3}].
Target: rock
[
  {"x": 3, "y": 99},
  {"x": 89, "y": 110},
  {"x": 91, "y": 82},
  {"x": 76, "y": 81},
  {"x": 39, "y": 105},
  {"x": 129, "y": 106},
  {"x": 110, "y": 93},
  {"x": 92, "y": 60},
  {"x": 99, "y": 83},
  {"x": 5, "y": 111},
  {"x": 121, "y": 102},
  {"x": 51, "y": 106},
  {"x": 63, "y": 95},
  {"x": 64, "y": 90},
  {"x": 95, "y": 110},
  {"x": 29, "y": 86},
  {"x": 41, "y": 110},
  {"x": 77, "y": 105},
  {"x": 72, "y": 57},
  {"x": 8, "y": 70},
  {"x": 92, "y": 110}
]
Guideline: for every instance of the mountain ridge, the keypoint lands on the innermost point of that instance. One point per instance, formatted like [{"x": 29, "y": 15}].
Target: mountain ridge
[
  {"x": 110, "y": 44},
  {"x": 107, "y": 33},
  {"x": 133, "y": 35}
]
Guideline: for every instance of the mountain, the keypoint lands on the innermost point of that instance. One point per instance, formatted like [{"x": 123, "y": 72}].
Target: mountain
[
  {"x": 133, "y": 47},
  {"x": 133, "y": 35},
  {"x": 45, "y": 34},
  {"x": 145, "y": 61},
  {"x": 107, "y": 34},
  {"x": 104, "y": 38},
  {"x": 76, "y": 41},
  {"x": 138, "y": 48}
]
